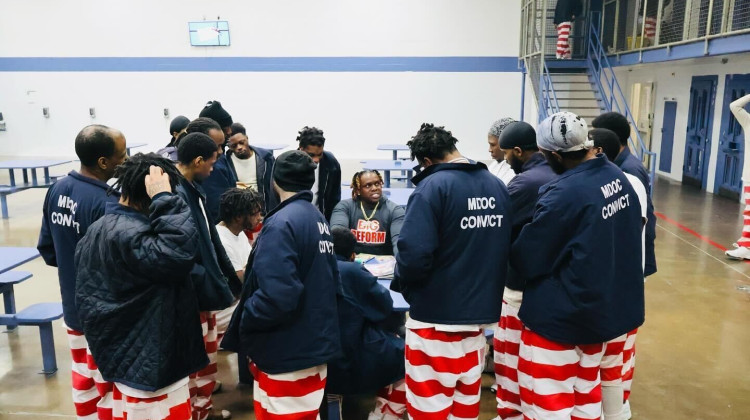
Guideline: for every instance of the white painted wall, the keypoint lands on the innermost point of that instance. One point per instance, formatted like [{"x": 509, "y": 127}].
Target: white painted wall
[
  {"x": 356, "y": 110},
  {"x": 672, "y": 83}
]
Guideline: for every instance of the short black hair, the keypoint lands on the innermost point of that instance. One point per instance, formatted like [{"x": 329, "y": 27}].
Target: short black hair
[
  {"x": 93, "y": 142},
  {"x": 311, "y": 136},
  {"x": 131, "y": 176},
  {"x": 616, "y": 122},
  {"x": 202, "y": 125},
  {"x": 343, "y": 241},
  {"x": 607, "y": 140},
  {"x": 237, "y": 202},
  {"x": 431, "y": 142},
  {"x": 194, "y": 145},
  {"x": 238, "y": 128},
  {"x": 574, "y": 155}
]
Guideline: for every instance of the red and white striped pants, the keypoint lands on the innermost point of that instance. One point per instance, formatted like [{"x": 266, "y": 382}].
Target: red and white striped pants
[
  {"x": 201, "y": 384},
  {"x": 390, "y": 402},
  {"x": 611, "y": 376},
  {"x": 563, "y": 39},
  {"x": 174, "y": 405},
  {"x": 294, "y": 395},
  {"x": 628, "y": 360},
  {"x": 559, "y": 381},
  {"x": 506, "y": 342},
  {"x": 92, "y": 395},
  {"x": 443, "y": 373},
  {"x": 649, "y": 27},
  {"x": 745, "y": 237}
]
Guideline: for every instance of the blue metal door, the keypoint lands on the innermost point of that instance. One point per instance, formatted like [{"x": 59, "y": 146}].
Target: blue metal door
[
  {"x": 667, "y": 136},
  {"x": 731, "y": 143},
  {"x": 700, "y": 123}
]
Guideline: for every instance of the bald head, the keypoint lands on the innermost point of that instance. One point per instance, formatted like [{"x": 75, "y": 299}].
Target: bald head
[{"x": 100, "y": 149}]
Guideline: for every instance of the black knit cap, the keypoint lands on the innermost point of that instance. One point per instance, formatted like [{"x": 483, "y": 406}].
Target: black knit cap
[
  {"x": 214, "y": 111},
  {"x": 518, "y": 134},
  {"x": 294, "y": 171},
  {"x": 178, "y": 124}
]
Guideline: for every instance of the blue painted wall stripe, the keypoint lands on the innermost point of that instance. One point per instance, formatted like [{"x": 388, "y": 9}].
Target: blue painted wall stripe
[{"x": 260, "y": 64}]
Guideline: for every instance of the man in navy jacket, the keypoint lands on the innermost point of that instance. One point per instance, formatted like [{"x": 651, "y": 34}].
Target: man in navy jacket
[
  {"x": 286, "y": 320},
  {"x": 451, "y": 265},
  {"x": 631, "y": 165},
  {"x": 70, "y": 207},
  {"x": 213, "y": 273},
  {"x": 518, "y": 143},
  {"x": 240, "y": 152},
  {"x": 327, "y": 187},
  {"x": 221, "y": 178},
  {"x": 581, "y": 258}
]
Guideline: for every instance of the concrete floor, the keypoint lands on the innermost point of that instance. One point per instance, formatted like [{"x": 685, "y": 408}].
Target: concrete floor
[{"x": 692, "y": 351}]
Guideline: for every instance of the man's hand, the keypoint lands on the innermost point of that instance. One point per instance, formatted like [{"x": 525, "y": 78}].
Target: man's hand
[{"x": 157, "y": 182}]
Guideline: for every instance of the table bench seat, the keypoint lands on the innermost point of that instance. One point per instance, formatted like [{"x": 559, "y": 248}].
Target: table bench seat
[{"x": 40, "y": 315}]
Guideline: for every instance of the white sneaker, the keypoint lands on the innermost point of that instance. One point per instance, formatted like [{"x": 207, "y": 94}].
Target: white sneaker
[
  {"x": 739, "y": 253},
  {"x": 375, "y": 416}
]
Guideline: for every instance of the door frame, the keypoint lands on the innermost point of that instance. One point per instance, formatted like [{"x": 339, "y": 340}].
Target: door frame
[
  {"x": 666, "y": 158},
  {"x": 726, "y": 117}
]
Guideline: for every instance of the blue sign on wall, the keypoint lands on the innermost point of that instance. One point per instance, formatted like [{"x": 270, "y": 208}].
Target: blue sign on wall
[{"x": 209, "y": 33}]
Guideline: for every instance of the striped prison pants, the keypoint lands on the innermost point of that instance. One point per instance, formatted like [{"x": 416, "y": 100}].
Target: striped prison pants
[
  {"x": 201, "y": 384},
  {"x": 506, "y": 342},
  {"x": 559, "y": 381},
  {"x": 443, "y": 373},
  {"x": 628, "y": 367},
  {"x": 563, "y": 39},
  {"x": 390, "y": 402},
  {"x": 649, "y": 28},
  {"x": 611, "y": 376},
  {"x": 174, "y": 405},
  {"x": 92, "y": 396},
  {"x": 745, "y": 237},
  {"x": 294, "y": 395}
]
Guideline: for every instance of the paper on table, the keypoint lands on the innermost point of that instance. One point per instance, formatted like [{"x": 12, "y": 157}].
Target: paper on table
[{"x": 380, "y": 266}]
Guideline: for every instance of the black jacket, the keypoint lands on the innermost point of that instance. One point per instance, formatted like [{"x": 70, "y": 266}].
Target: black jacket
[
  {"x": 286, "y": 319},
  {"x": 565, "y": 10},
  {"x": 213, "y": 274},
  {"x": 329, "y": 184},
  {"x": 264, "y": 161},
  {"x": 134, "y": 295}
]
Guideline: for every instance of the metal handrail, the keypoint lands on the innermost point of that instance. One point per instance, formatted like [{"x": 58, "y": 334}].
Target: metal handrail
[
  {"x": 550, "y": 102},
  {"x": 599, "y": 67}
]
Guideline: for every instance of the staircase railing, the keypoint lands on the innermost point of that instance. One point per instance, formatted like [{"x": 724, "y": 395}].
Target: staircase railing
[
  {"x": 548, "y": 104},
  {"x": 611, "y": 94}
]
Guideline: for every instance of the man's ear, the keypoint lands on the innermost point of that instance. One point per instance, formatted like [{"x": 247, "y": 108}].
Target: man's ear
[
  {"x": 102, "y": 163},
  {"x": 517, "y": 151},
  {"x": 557, "y": 157},
  {"x": 427, "y": 162}
]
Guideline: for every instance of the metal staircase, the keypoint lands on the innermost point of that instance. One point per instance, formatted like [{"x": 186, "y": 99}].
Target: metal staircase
[{"x": 586, "y": 87}]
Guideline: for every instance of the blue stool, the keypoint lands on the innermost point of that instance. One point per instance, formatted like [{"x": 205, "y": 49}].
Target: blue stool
[{"x": 40, "y": 315}]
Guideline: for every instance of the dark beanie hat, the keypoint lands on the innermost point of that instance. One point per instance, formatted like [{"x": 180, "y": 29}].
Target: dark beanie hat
[
  {"x": 294, "y": 171},
  {"x": 214, "y": 111},
  {"x": 518, "y": 134},
  {"x": 178, "y": 124}
]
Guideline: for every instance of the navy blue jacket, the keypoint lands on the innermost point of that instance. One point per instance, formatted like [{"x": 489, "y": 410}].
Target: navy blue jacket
[
  {"x": 72, "y": 204},
  {"x": 329, "y": 184},
  {"x": 287, "y": 319},
  {"x": 453, "y": 250},
  {"x": 213, "y": 274},
  {"x": 524, "y": 190},
  {"x": 221, "y": 179},
  {"x": 631, "y": 165},
  {"x": 264, "y": 161},
  {"x": 373, "y": 358},
  {"x": 581, "y": 256},
  {"x": 135, "y": 297}
]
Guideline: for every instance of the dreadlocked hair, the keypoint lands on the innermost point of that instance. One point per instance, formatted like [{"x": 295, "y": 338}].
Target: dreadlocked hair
[
  {"x": 311, "y": 136},
  {"x": 237, "y": 202},
  {"x": 131, "y": 176},
  {"x": 356, "y": 181},
  {"x": 431, "y": 142}
]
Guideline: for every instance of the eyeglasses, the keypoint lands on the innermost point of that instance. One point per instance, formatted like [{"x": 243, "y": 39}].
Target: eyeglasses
[{"x": 371, "y": 185}]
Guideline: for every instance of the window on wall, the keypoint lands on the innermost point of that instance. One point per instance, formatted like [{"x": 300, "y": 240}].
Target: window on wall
[{"x": 210, "y": 33}]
